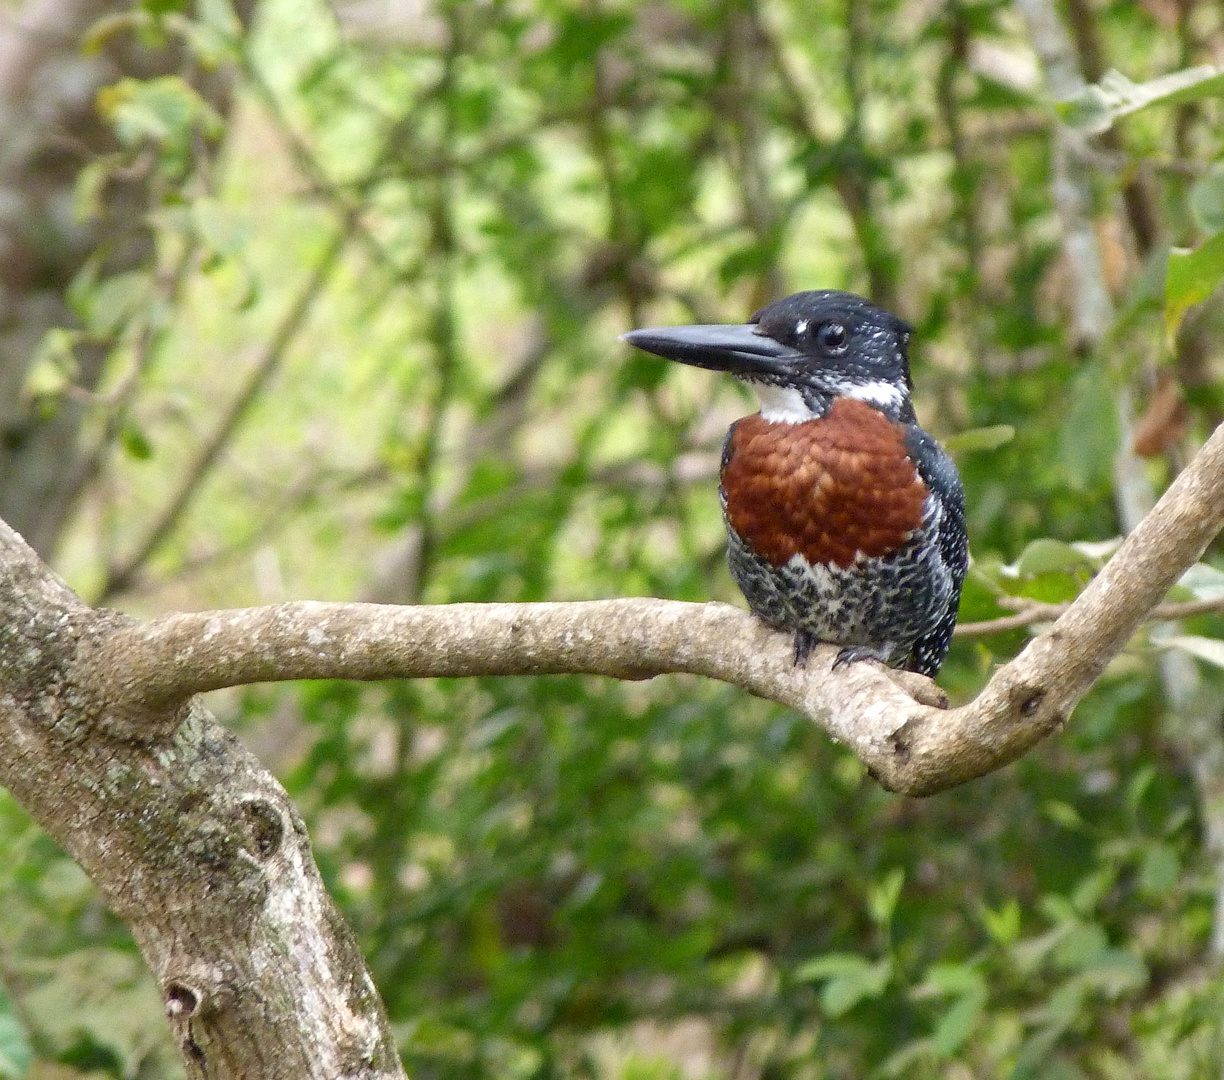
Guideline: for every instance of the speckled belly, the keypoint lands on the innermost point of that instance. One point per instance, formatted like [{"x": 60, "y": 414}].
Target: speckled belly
[{"x": 887, "y": 602}]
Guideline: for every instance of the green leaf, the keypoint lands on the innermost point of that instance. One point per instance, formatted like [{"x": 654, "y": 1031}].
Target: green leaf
[
  {"x": 882, "y": 899},
  {"x": 1098, "y": 552},
  {"x": 1088, "y": 438},
  {"x": 1160, "y": 870},
  {"x": 949, "y": 980},
  {"x": 1139, "y": 786},
  {"x": 45, "y": 379},
  {"x": 135, "y": 442},
  {"x": 104, "y": 304},
  {"x": 1116, "y": 972},
  {"x": 90, "y": 186},
  {"x": 959, "y": 1022},
  {"x": 850, "y": 979},
  {"x": 1079, "y": 947},
  {"x": 1003, "y": 925},
  {"x": 828, "y": 966},
  {"x": 164, "y": 110},
  {"x": 54, "y": 365},
  {"x": 15, "y": 1052},
  {"x": 1092, "y": 888},
  {"x": 1096, "y": 107},
  {"x": 1064, "y": 814},
  {"x": 1206, "y": 200},
  {"x": 1204, "y": 648},
  {"x": 1028, "y": 955},
  {"x": 842, "y": 994},
  {"x": 1191, "y": 278},
  {"x": 983, "y": 438},
  {"x": 1204, "y": 581},
  {"x": 1047, "y": 556}
]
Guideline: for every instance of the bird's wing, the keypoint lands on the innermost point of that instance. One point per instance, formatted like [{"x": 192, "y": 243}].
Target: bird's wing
[{"x": 941, "y": 478}]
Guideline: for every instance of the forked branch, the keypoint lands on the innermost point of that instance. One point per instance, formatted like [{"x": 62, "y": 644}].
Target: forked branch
[{"x": 889, "y": 719}]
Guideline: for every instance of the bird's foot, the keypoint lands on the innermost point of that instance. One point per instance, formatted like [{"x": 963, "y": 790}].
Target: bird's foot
[
  {"x": 853, "y": 653},
  {"x": 804, "y": 644}
]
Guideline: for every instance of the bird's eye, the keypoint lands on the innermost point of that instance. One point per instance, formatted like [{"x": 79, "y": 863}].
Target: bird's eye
[{"x": 831, "y": 337}]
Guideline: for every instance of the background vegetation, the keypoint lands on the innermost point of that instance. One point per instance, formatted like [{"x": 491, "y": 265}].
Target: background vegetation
[{"x": 365, "y": 348}]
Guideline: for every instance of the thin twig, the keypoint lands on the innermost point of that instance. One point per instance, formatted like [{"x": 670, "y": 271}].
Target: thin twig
[
  {"x": 348, "y": 203},
  {"x": 852, "y": 187},
  {"x": 1192, "y": 717},
  {"x": 1043, "y": 613},
  {"x": 167, "y": 287},
  {"x": 276, "y": 515},
  {"x": 121, "y": 575}
]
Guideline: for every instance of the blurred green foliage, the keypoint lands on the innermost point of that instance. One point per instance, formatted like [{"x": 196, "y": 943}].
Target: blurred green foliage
[{"x": 430, "y": 228}]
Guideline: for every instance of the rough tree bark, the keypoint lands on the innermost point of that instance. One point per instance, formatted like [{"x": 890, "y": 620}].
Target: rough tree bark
[
  {"x": 192, "y": 843},
  {"x": 199, "y": 850}
]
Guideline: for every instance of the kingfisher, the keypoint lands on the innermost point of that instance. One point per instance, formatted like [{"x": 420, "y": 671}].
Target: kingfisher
[{"x": 845, "y": 519}]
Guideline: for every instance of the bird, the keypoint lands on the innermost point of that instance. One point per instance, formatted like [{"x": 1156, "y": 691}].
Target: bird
[{"x": 845, "y": 519}]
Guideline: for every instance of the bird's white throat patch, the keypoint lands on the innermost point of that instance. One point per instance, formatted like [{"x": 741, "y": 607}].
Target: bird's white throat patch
[
  {"x": 785, "y": 404},
  {"x": 782, "y": 404}
]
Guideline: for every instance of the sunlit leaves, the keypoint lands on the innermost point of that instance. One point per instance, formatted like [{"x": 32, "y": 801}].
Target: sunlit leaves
[
  {"x": 1096, "y": 107},
  {"x": 53, "y": 369},
  {"x": 1192, "y": 277},
  {"x": 1209, "y": 649},
  {"x": 1206, "y": 200},
  {"x": 847, "y": 979},
  {"x": 167, "y": 112},
  {"x": 1047, "y": 556},
  {"x": 965, "y": 990},
  {"x": 1088, "y": 439},
  {"x": 980, "y": 439}
]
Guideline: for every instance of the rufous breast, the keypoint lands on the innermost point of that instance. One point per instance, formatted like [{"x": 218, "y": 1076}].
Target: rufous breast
[{"x": 826, "y": 489}]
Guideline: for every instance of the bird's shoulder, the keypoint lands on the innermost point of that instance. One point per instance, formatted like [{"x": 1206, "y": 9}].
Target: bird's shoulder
[{"x": 935, "y": 468}]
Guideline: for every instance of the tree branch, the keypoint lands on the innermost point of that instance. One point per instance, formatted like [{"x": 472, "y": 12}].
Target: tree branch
[
  {"x": 192, "y": 843},
  {"x": 1037, "y": 612},
  {"x": 887, "y": 718},
  {"x": 120, "y": 576}
]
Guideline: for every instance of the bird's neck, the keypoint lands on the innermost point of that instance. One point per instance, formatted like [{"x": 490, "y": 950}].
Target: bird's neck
[
  {"x": 789, "y": 404},
  {"x": 793, "y": 405}
]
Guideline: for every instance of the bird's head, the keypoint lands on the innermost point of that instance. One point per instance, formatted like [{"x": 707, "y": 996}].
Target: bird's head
[{"x": 801, "y": 353}]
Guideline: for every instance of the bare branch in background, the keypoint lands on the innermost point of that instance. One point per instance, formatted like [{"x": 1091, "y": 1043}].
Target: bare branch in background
[
  {"x": 49, "y": 130},
  {"x": 120, "y": 576},
  {"x": 1036, "y": 612}
]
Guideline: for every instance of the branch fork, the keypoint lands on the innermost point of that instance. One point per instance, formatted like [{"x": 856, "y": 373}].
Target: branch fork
[
  {"x": 197, "y": 847},
  {"x": 892, "y": 720}
]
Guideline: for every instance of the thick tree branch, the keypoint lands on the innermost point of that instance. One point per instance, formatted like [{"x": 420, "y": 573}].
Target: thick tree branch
[
  {"x": 908, "y": 744},
  {"x": 197, "y": 848},
  {"x": 194, "y": 845}
]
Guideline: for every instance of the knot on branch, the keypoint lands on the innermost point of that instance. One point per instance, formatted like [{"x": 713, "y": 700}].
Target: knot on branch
[
  {"x": 193, "y": 989},
  {"x": 265, "y": 825}
]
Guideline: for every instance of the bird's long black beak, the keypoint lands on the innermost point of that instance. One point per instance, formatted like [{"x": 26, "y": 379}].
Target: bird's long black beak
[{"x": 719, "y": 347}]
